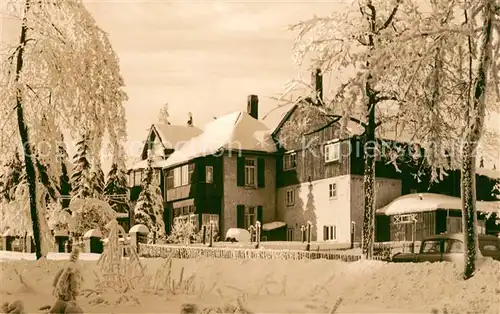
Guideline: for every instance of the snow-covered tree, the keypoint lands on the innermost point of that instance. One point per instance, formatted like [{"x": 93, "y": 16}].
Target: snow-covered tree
[
  {"x": 116, "y": 185},
  {"x": 81, "y": 177},
  {"x": 163, "y": 115},
  {"x": 448, "y": 89},
  {"x": 64, "y": 66},
  {"x": 64, "y": 179},
  {"x": 350, "y": 43},
  {"x": 149, "y": 207},
  {"x": 97, "y": 179},
  {"x": 12, "y": 172}
]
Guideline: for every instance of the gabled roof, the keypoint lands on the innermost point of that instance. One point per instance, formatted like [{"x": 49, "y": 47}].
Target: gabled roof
[
  {"x": 234, "y": 131},
  {"x": 174, "y": 136},
  {"x": 170, "y": 136}
]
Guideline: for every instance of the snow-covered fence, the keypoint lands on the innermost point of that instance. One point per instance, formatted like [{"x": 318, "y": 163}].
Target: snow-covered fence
[{"x": 187, "y": 252}]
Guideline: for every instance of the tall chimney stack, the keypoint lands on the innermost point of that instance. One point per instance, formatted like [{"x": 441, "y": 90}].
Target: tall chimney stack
[
  {"x": 317, "y": 84},
  {"x": 253, "y": 106}
]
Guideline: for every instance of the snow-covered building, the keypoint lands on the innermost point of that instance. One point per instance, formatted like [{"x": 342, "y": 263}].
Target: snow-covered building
[
  {"x": 319, "y": 176},
  {"x": 226, "y": 174},
  {"x": 241, "y": 169},
  {"x": 419, "y": 215}
]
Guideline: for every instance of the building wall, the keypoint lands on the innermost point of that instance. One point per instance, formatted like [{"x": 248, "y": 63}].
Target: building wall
[
  {"x": 235, "y": 195},
  {"x": 313, "y": 203},
  {"x": 387, "y": 190}
]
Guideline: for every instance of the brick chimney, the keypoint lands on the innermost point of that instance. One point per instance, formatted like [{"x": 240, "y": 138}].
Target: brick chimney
[
  {"x": 253, "y": 106},
  {"x": 317, "y": 84}
]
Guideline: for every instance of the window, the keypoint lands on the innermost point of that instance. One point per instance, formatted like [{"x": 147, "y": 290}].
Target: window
[
  {"x": 170, "y": 179},
  {"x": 249, "y": 217},
  {"x": 289, "y": 161},
  {"x": 454, "y": 224},
  {"x": 332, "y": 152},
  {"x": 431, "y": 246},
  {"x": 137, "y": 178},
  {"x": 207, "y": 218},
  {"x": 289, "y": 234},
  {"x": 330, "y": 233},
  {"x": 332, "y": 190},
  {"x": 185, "y": 175},
  {"x": 177, "y": 177},
  {"x": 250, "y": 172},
  {"x": 453, "y": 246},
  {"x": 131, "y": 179},
  {"x": 209, "y": 174},
  {"x": 182, "y": 175},
  {"x": 290, "y": 198}
]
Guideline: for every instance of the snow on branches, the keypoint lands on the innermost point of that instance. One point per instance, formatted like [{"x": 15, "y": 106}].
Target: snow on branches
[
  {"x": 149, "y": 207},
  {"x": 90, "y": 213},
  {"x": 70, "y": 73},
  {"x": 81, "y": 178}
]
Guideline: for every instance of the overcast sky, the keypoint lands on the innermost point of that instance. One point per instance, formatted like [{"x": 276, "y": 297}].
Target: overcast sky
[{"x": 201, "y": 56}]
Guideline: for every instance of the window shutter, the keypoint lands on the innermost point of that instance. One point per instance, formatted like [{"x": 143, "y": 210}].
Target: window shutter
[
  {"x": 325, "y": 233},
  {"x": 261, "y": 172},
  {"x": 240, "y": 216},
  {"x": 240, "y": 171},
  {"x": 200, "y": 165},
  {"x": 260, "y": 216}
]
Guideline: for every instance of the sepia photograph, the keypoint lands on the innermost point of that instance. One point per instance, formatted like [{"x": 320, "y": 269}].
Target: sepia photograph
[{"x": 250, "y": 156}]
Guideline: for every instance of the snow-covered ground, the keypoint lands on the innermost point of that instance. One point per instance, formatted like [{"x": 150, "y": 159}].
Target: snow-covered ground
[{"x": 274, "y": 286}]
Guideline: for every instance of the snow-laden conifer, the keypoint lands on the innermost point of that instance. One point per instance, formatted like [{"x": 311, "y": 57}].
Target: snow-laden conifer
[{"x": 149, "y": 207}]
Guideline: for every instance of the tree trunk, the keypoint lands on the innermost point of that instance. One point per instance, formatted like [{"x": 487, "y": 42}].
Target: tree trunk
[
  {"x": 473, "y": 134},
  {"x": 23, "y": 131},
  {"x": 368, "y": 237}
]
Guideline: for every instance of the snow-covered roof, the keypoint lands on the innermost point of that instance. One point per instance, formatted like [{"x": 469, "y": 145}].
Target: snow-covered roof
[
  {"x": 175, "y": 136},
  {"x": 276, "y": 116},
  {"x": 490, "y": 173},
  {"x": 234, "y": 131},
  {"x": 93, "y": 233},
  {"x": 157, "y": 163},
  {"x": 139, "y": 228},
  {"x": 422, "y": 202},
  {"x": 273, "y": 225}
]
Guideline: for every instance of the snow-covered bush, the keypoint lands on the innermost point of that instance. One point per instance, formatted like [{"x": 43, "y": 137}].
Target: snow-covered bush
[
  {"x": 89, "y": 214},
  {"x": 183, "y": 232},
  {"x": 58, "y": 218}
]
